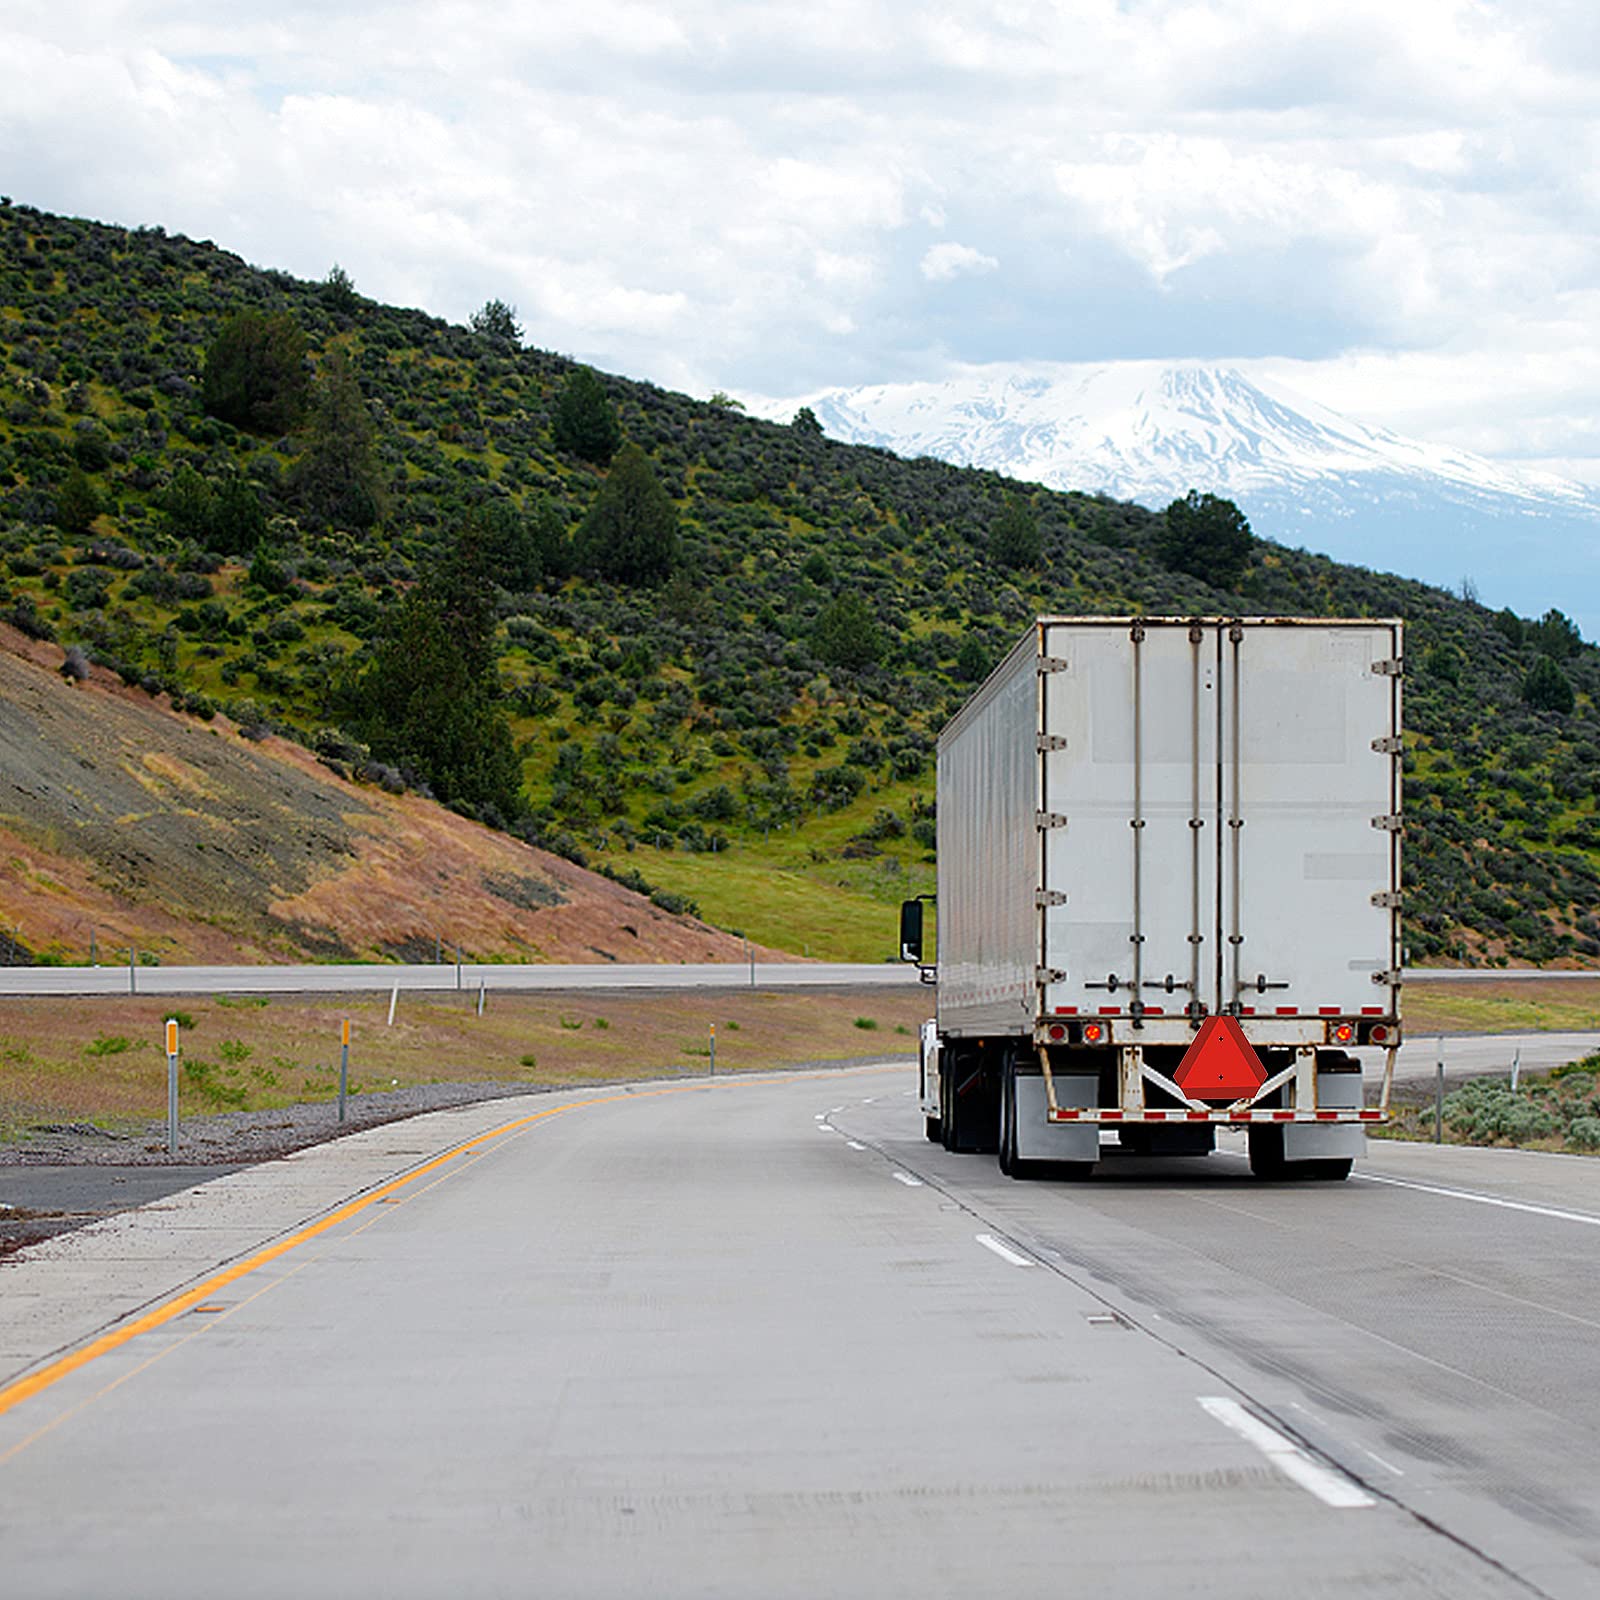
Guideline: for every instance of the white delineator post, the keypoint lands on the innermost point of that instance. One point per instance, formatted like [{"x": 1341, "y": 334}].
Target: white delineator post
[{"x": 344, "y": 1066}]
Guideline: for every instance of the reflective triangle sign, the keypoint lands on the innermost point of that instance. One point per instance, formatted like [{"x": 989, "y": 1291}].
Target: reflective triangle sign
[{"x": 1220, "y": 1064}]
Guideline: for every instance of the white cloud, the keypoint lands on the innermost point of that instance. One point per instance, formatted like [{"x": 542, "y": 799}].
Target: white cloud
[
  {"x": 1399, "y": 200},
  {"x": 950, "y": 260}
]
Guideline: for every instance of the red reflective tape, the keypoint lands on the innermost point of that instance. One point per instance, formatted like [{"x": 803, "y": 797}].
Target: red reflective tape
[
  {"x": 1329, "y": 1011},
  {"x": 1066, "y": 1011},
  {"x": 1110, "y": 1011},
  {"x": 1112, "y": 1116},
  {"x": 1198, "y": 1116},
  {"x": 1372, "y": 1011},
  {"x": 1154, "y": 1011},
  {"x": 1327, "y": 1116},
  {"x": 1371, "y": 1116},
  {"x": 1286, "y": 1011},
  {"x": 1247, "y": 1011},
  {"x": 1283, "y": 1116}
]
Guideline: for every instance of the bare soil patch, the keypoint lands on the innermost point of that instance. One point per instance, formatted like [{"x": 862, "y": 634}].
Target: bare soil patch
[{"x": 192, "y": 843}]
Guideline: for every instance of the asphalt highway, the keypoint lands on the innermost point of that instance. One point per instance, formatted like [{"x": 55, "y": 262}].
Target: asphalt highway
[{"x": 759, "y": 1337}]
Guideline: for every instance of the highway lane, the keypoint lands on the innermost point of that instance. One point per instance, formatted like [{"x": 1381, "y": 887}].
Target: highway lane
[{"x": 760, "y": 1338}]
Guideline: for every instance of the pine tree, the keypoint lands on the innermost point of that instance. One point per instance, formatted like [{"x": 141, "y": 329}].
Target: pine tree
[
  {"x": 337, "y": 479},
  {"x": 1015, "y": 541},
  {"x": 496, "y": 320},
  {"x": 846, "y": 634},
  {"x": 1207, "y": 537},
  {"x": 255, "y": 373},
  {"x": 77, "y": 504},
  {"x": 631, "y": 532},
  {"x": 1546, "y": 687},
  {"x": 429, "y": 700},
  {"x": 585, "y": 423}
]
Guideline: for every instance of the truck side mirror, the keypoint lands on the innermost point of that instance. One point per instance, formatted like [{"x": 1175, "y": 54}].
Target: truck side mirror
[{"x": 911, "y": 930}]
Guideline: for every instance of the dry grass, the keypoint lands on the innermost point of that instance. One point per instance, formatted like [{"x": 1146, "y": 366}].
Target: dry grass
[
  {"x": 1553, "y": 1005},
  {"x": 101, "y": 1060}
]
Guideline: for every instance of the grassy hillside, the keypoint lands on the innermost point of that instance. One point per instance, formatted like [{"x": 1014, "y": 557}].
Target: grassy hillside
[
  {"x": 127, "y": 824},
  {"x": 689, "y": 736}
]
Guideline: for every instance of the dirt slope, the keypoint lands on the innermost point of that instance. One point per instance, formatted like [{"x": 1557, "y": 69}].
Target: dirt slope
[{"x": 197, "y": 845}]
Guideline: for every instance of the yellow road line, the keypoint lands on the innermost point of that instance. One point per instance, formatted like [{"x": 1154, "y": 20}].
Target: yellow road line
[
  {"x": 35, "y": 1383},
  {"x": 25, "y": 1388}
]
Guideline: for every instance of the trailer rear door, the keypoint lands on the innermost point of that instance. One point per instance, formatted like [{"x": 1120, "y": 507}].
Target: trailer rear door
[{"x": 1208, "y": 793}]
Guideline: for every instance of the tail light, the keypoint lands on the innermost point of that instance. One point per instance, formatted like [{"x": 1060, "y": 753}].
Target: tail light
[
  {"x": 1093, "y": 1032},
  {"x": 1058, "y": 1032},
  {"x": 1342, "y": 1033}
]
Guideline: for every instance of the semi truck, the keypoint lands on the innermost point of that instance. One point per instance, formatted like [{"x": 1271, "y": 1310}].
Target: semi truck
[{"x": 1168, "y": 894}]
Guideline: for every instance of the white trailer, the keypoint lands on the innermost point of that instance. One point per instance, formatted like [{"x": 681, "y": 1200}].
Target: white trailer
[{"x": 1168, "y": 893}]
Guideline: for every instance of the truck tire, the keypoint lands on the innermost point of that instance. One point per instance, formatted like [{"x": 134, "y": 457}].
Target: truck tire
[
  {"x": 1267, "y": 1161},
  {"x": 1266, "y": 1152},
  {"x": 1005, "y": 1146},
  {"x": 1010, "y": 1162},
  {"x": 1334, "y": 1169}
]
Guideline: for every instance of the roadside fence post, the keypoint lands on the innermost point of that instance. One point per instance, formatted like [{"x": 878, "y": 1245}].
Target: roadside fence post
[
  {"x": 133, "y": 981},
  {"x": 394, "y": 1000},
  {"x": 713, "y": 1049},
  {"x": 483, "y": 987},
  {"x": 1516, "y": 1068},
  {"x": 344, "y": 1067}
]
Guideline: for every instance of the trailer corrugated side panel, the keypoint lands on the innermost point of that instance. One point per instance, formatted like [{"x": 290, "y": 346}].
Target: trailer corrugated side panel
[{"x": 989, "y": 854}]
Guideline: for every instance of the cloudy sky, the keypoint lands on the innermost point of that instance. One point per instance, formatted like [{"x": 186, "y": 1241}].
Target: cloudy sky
[{"x": 1393, "y": 207}]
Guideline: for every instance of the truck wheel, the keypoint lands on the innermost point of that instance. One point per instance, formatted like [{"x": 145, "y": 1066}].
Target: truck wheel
[
  {"x": 1330, "y": 1170},
  {"x": 947, "y": 1103},
  {"x": 1266, "y": 1152}
]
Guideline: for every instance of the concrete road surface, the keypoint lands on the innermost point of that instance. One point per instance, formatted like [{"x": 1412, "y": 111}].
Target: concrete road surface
[
  {"x": 352, "y": 978},
  {"x": 759, "y": 1338},
  {"x": 1480, "y": 1055}
]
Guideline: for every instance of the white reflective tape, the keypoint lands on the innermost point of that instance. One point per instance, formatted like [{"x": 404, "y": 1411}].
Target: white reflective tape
[{"x": 1332, "y": 1488}]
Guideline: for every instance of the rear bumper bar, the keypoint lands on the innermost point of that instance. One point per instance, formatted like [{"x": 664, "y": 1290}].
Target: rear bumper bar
[{"x": 1237, "y": 1118}]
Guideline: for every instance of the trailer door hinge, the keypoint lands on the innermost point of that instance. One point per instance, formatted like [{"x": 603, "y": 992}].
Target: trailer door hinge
[
  {"x": 1044, "y": 975},
  {"x": 1389, "y": 899},
  {"x": 1053, "y": 664},
  {"x": 1392, "y": 823},
  {"x": 1049, "y": 897},
  {"x": 1049, "y": 819},
  {"x": 1390, "y": 745},
  {"x": 1391, "y": 667},
  {"x": 1049, "y": 743}
]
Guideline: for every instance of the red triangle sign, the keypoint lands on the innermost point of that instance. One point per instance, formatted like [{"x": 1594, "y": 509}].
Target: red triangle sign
[{"x": 1221, "y": 1064}]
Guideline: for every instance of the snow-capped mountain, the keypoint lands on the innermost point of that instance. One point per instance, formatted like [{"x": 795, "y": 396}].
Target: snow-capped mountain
[{"x": 1303, "y": 474}]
